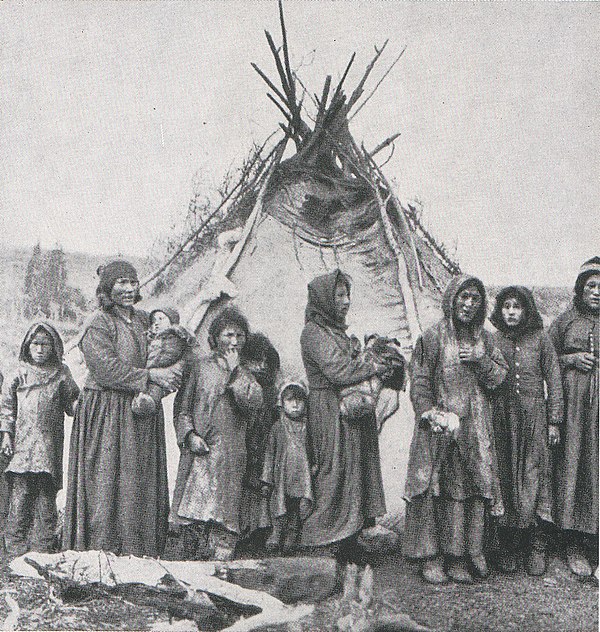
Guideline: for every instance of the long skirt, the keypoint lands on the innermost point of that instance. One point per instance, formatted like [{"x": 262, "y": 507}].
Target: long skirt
[
  {"x": 348, "y": 489},
  {"x": 117, "y": 494},
  {"x": 576, "y": 473}
]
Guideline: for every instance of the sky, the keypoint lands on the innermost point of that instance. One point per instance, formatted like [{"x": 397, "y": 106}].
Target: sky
[{"x": 109, "y": 110}]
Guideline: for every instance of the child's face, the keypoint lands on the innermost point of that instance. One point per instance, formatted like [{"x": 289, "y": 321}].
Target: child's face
[
  {"x": 257, "y": 366},
  {"x": 512, "y": 312},
  {"x": 294, "y": 405},
  {"x": 160, "y": 322},
  {"x": 41, "y": 348}
]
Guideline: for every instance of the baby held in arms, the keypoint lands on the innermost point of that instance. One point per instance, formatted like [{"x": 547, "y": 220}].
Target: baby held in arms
[
  {"x": 168, "y": 344},
  {"x": 360, "y": 400}
]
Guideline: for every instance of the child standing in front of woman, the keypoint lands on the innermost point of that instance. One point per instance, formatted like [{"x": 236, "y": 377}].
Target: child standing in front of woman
[
  {"x": 34, "y": 403},
  {"x": 526, "y": 424},
  {"x": 286, "y": 472}
]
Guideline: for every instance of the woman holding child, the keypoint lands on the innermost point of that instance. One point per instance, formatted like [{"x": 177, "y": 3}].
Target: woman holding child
[
  {"x": 348, "y": 489},
  {"x": 117, "y": 496}
]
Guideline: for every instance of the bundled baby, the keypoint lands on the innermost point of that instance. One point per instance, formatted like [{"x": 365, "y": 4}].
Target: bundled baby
[
  {"x": 168, "y": 344},
  {"x": 360, "y": 400}
]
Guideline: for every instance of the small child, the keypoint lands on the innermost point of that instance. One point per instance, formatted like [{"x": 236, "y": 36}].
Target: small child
[
  {"x": 34, "y": 403},
  {"x": 260, "y": 357},
  {"x": 528, "y": 412},
  {"x": 168, "y": 343},
  {"x": 286, "y": 472}
]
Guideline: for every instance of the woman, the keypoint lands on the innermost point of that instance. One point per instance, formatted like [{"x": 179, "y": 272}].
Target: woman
[
  {"x": 348, "y": 489},
  {"x": 216, "y": 403},
  {"x": 117, "y": 497},
  {"x": 526, "y": 423},
  {"x": 575, "y": 337},
  {"x": 452, "y": 473}
]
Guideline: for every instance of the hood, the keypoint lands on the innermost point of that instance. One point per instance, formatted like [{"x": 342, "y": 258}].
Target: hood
[
  {"x": 454, "y": 287},
  {"x": 321, "y": 299},
  {"x": 291, "y": 382},
  {"x": 171, "y": 313},
  {"x": 56, "y": 340},
  {"x": 531, "y": 321}
]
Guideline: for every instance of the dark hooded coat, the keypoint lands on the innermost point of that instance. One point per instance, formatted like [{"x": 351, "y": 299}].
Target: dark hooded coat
[
  {"x": 465, "y": 466},
  {"x": 34, "y": 403},
  {"x": 576, "y": 474},
  {"x": 117, "y": 494},
  {"x": 522, "y": 412},
  {"x": 347, "y": 486}
]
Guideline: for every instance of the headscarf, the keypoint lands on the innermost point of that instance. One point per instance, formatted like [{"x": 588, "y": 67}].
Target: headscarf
[
  {"x": 531, "y": 319},
  {"x": 24, "y": 354},
  {"x": 321, "y": 299},
  {"x": 453, "y": 289},
  {"x": 109, "y": 274},
  {"x": 588, "y": 269}
]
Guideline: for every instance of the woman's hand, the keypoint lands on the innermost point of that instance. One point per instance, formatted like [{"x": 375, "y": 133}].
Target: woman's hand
[
  {"x": 168, "y": 378},
  {"x": 196, "y": 444},
  {"x": 7, "y": 445},
  {"x": 553, "y": 435},
  {"x": 232, "y": 357},
  {"x": 582, "y": 361},
  {"x": 471, "y": 353}
]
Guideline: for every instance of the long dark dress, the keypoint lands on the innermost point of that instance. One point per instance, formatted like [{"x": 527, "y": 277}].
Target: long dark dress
[
  {"x": 576, "y": 474},
  {"x": 348, "y": 488},
  {"x": 522, "y": 414},
  {"x": 117, "y": 495}
]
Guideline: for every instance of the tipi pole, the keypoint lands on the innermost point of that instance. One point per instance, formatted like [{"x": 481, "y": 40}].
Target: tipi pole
[{"x": 199, "y": 313}]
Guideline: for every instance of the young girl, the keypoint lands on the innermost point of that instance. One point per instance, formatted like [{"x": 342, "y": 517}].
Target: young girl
[
  {"x": 286, "y": 472},
  {"x": 525, "y": 424},
  {"x": 34, "y": 403},
  {"x": 260, "y": 357}
]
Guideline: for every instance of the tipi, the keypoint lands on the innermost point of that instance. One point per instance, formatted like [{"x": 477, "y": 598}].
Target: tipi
[{"x": 327, "y": 206}]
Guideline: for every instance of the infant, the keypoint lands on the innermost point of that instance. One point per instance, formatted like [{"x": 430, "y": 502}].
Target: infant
[{"x": 168, "y": 344}]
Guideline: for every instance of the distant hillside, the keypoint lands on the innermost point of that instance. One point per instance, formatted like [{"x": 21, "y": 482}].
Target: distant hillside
[{"x": 81, "y": 273}]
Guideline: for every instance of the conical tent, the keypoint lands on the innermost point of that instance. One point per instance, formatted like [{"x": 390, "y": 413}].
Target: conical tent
[{"x": 328, "y": 206}]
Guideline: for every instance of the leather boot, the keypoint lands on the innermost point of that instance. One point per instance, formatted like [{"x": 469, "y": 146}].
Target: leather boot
[{"x": 458, "y": 571}]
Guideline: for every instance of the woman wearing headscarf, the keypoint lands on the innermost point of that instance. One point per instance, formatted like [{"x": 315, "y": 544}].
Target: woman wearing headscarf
[
  {"x": 117, "y": 496},
  {"x": 452, "y": 476},
  {"x": 526, "y": 424},
  {"x": 575, "y": 337},
  {"x": 348, "y": 489}
]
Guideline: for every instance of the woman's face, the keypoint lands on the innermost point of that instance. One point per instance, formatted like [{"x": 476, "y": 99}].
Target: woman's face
[
  {"x": 512, "y": 311},
  {"x": 230, "y": 337},
  {"x": 124, "y": 292},
  {"x": 591, "y": 293},
  {"x": 467, "y": 304},
  {"x": 341, "y": 299},
  {"x": 41, "y": 348}
]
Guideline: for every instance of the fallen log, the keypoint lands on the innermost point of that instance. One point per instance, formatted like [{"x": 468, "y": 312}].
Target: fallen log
[
  {"x": 172, "y": 599},
  {"x": 180, "y": 588}
]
